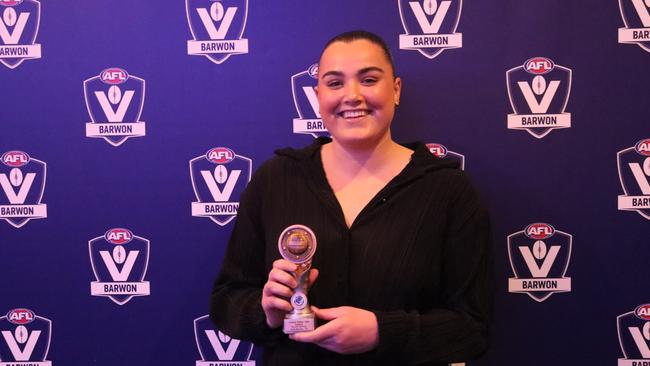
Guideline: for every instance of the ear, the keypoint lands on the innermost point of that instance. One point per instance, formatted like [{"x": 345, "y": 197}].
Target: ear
[
  {"x": 316, "y": 90},
  {"x": 397, "y": 89}
]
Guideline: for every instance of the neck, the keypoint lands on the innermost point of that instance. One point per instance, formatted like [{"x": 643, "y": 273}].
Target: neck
[{"x": 370, "y": 157}]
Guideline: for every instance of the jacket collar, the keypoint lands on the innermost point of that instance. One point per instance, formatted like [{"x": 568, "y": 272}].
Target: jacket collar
[{"x": 422, "y": 160}]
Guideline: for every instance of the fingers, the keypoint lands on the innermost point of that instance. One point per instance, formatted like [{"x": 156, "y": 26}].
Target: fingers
[
  {"x": 284, "y": 265},
  {"x": 329, "y": 314},
  {"x": 317, "y": 335},
  {"x": 349, "y": 330},
  {"x": 282, "y": 277},
  {"x": 313, "y": 275},
  {"x": 279, "y": 288},
  {"x": 271, "y": 303},
  {"x": 272, "y": 288}
]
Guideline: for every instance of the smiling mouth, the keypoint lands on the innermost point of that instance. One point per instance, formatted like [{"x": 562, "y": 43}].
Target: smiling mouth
[{"x": 356, "y": 113}]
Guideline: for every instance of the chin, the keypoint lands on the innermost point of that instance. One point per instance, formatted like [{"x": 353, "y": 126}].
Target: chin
[{"x": 357, "y": 140}]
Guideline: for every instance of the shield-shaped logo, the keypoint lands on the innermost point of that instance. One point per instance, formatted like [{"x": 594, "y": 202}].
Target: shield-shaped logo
[
  {"x": 25, "y": 338},
  {"x": 430, "y": 25},
  {"x": 19, "y": 22},
  {"x": 636, "y": 16},
  {"x": 442, "y": 152},
  {"x": 303, "y": 87},
  {"x": 539, "y": 93},
  {"x": 215, "y": 347},
  {"x": 218, "y": 179},
  {"x": 634, "y": 336},
  {"x": 633, "y": 172},
  {"x": 22, "y": 179},
  {"x": 119, "y": 260},
  {"x": 217, "y": 27},
  {"x": 115, "y": 101},
  {"x": 539, "y": 256}
]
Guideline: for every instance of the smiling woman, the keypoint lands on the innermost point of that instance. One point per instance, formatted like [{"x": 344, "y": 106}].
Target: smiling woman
[
  {"x": 357, "y": 93},
  {"x": 402, "y": 272}
]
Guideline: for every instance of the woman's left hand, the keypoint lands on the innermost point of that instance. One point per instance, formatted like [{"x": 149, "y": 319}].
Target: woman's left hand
[{"x": 349, "y": 330}]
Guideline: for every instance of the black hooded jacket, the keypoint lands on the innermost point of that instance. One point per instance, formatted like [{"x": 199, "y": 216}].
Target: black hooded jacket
[{"x": 418, "y": 256}]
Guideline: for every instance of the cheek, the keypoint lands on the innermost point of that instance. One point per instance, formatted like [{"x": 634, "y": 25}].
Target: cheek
[
  {"x": 382, "y": 99},
  {"x": 327, "y": 102}
]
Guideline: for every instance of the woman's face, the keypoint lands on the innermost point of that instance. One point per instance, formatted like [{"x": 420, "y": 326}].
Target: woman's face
[{"x": 357, "y": 93}]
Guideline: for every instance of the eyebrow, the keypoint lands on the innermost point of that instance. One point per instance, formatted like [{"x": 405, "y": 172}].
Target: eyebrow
[{"x": 360, "y": 72}]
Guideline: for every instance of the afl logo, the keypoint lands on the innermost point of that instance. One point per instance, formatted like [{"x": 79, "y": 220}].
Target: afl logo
[
  {"x": 643, "y": 147},
  {"x": 539, "y": 231},
  {"x": 15, "y": 158},
  {"x": 643, "y": 312},
  {"x": 539, "y": 65},
  {"x": 220, "y": 155},
  {"x": 113, "y": 76},
  {"x": 118, "y": 236},
  {"x": 437, "y": 150},
  {"x": 20, "y": 316},
  {"x": 313, "y": 71},
  {"x": 10, "y": 2}
]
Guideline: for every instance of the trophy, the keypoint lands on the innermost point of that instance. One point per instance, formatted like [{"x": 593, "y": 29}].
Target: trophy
[{"x": 297, "y": 244}]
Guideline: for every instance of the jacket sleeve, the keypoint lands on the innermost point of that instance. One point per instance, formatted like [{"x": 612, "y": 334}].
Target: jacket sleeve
[
  {"x": 235, "y": 305},
  {"x": 458, "y": 330}
]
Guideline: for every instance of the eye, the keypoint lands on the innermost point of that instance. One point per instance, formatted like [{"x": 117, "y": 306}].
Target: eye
[
  {"x": 334, "y": 83},
  {"x": 369, "y": 80}
]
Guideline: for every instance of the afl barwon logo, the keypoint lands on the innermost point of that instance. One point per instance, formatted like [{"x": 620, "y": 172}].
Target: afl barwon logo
[
  {"x": 218, "y": 349},
  {"x": 633, "y": 172},
  {"x": 539, "y": 256},
  {"x": 218, "y": 178},
  {"x": 636, "y": 16},
  {"x": 115, "y": 101},
  {"x": 25, "y": 339},
  {"x": 119, "y": 260},
  {"x": 539, "y": 92},
  {"x": 430, "y": 26},
  {"x": 441, "y": 151},
  {"x": 19, "y": 22},
  {"x": 303, "y": 87},
  {"x": 217, "y": 27},
  {"x": 634, "y": 336},
  {"x": 23, "y": 183}
]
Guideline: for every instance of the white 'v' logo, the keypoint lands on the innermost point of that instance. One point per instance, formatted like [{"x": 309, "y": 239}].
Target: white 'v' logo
[
  {"x": 217, "y": 194},
  {"x": 222, "y": 355},
  {"x": 19, "y": 27},
  {"x": 640, "y": 341},
  {"x": 642, "y": 10},
  {"x": 208, "y": 23},
  {"x": 640, "y": 178},
  {"x": 13, "y": 197},
  {"x": 420, "y": 14},
  {"x": 535, "y": 270},
  {"x": 25, "y": 353},
  {"x": 312, "y": 98},
  {"x": 123, "y": 274},
  {"x": 541, "y": 106},
  {"x": 111, "y": 114}
]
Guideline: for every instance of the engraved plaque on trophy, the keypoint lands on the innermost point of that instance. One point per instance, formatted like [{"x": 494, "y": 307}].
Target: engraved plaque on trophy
[{"x": 297, "y": 244}]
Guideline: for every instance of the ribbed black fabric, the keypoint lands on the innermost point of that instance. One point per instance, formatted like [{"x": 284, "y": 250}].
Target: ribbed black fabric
[{"x": 418, "y": 256}]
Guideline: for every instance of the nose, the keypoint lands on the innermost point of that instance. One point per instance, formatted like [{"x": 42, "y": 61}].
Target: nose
[{"x": 352, "y": 93}]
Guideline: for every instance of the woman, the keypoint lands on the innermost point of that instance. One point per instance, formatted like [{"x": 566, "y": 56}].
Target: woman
[{"x": 402, "y": 267}]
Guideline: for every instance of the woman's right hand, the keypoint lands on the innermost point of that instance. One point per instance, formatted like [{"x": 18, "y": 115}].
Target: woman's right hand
[{"x": 278, "y": 290}]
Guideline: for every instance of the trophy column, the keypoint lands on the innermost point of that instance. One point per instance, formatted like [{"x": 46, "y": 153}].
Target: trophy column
[{"x": 297, "y": 244}]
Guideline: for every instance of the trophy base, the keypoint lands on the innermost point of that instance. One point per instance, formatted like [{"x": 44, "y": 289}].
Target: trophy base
[{"x": 296, "y": 323}]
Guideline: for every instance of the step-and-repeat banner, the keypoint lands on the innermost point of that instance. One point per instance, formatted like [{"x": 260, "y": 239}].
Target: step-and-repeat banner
[{"x": 128, "y": 131}]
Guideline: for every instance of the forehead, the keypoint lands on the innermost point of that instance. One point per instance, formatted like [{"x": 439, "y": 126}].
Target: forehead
[{"x": 352, "y": 56}]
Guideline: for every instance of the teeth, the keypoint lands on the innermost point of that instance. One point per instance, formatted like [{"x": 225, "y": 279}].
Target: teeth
[{"x": 354, "y": 114}]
